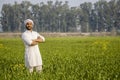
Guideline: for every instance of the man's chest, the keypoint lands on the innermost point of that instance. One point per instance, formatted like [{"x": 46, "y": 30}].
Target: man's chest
[{"x": 32, "y": 36}]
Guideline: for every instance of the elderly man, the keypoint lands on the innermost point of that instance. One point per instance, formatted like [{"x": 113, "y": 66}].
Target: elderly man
[{"x": 32, "y": 53}]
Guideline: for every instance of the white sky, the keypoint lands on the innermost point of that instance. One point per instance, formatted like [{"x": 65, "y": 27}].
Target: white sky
[{"x": 70, "y": 2}]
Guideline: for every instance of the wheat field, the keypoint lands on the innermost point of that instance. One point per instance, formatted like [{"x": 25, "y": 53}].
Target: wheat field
[{"x": 64, "y": 58}]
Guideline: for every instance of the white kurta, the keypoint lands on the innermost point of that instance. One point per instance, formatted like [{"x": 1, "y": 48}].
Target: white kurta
[{"x": 32, "y": 53}]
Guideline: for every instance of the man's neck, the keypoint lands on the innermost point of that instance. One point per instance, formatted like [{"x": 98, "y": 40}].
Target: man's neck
[{"x": 30, "y": 30}]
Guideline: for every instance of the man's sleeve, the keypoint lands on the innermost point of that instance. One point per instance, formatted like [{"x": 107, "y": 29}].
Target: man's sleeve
[
  {"x": 41, "y": 37},
  {"x": 26, "y": 39}
]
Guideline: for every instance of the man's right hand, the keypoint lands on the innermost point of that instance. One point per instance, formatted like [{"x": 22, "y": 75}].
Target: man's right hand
[{"x": 34, "y": 42}]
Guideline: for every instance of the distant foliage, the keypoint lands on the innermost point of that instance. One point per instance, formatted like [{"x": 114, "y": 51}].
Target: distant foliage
[{"x": 60, "y": 17}]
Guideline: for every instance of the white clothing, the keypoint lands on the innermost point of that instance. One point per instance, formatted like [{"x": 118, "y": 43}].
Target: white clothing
[
  {"x": 38, "y": 69},
  {"x": 32, "y": 53}
]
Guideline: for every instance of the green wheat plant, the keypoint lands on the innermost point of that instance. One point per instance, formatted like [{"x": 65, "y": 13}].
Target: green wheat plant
[{"x": 64, "y": 58}]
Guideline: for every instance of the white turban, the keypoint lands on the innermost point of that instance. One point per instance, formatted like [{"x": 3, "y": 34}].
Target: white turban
[{"x": 28, "y": 20}]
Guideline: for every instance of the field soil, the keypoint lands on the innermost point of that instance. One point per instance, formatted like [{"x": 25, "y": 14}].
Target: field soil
[{"x": 58, "y": 34}]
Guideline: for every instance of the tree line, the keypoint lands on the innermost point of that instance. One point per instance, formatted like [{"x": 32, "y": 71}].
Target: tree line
[{"x": 60, "y": 17}]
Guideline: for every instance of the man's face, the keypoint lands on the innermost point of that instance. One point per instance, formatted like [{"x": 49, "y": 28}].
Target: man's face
[{"x": 29, "y": 25}]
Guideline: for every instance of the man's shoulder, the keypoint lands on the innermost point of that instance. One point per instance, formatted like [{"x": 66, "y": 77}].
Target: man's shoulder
[
  {"x": 24, "y": 32},
  {"x": 35, "y": 32}
]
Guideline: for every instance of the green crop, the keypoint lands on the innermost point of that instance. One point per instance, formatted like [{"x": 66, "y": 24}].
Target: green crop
[{"x": 64, "y": 58}]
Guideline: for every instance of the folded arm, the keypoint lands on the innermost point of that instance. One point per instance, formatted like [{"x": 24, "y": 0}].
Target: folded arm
[{"x": 38, "y": 40}]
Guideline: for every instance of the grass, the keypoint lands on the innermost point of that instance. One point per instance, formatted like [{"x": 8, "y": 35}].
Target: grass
[{"x": 64, "y": 58}]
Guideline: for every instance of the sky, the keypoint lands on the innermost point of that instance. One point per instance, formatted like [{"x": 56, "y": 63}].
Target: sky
[{"x": 71, "y": 3}]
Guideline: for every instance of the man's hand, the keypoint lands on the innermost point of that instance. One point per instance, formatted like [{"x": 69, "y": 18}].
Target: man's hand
[
  {"x": 39, "y": 40},
  {"x": 36, "y": 41}
]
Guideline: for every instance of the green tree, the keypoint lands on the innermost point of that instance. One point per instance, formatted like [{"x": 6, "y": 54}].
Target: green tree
[
  {"x": 86, "y": 12},
  {"x": 7, "y": 15}
]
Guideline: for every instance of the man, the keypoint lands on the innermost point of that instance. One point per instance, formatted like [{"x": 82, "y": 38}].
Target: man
[{"x": 32, "y": 53}]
